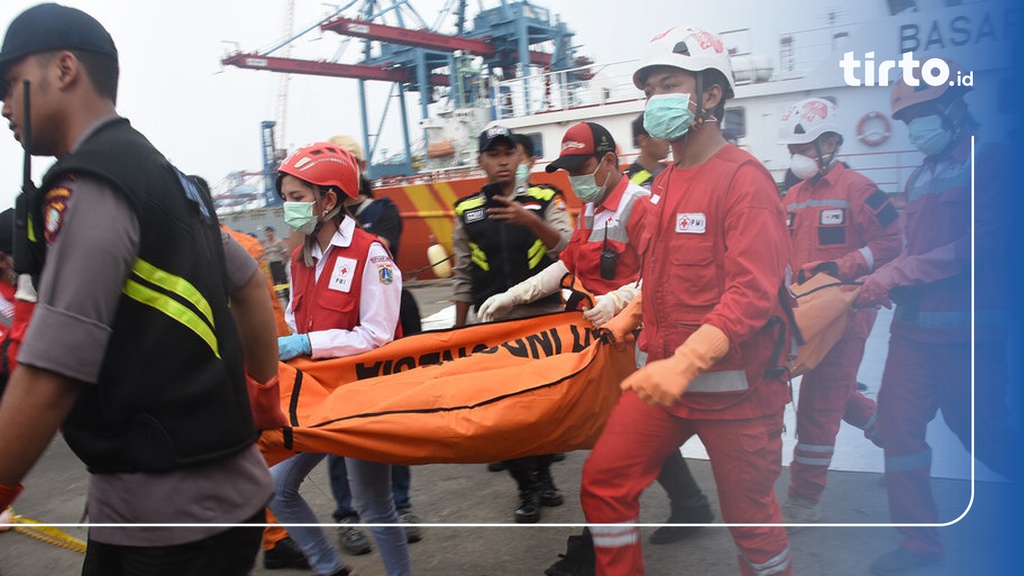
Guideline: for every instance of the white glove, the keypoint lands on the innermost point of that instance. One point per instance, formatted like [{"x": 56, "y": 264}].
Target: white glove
[
  {"x": 496, "y": 306},
  {"x": 608, "y": 305}
]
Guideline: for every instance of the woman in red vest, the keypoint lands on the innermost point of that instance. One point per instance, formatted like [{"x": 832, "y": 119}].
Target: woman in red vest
[{"x": 345, "y": 298}]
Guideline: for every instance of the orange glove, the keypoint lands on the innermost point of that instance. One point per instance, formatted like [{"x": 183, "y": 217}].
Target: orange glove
[
  {"x": 662, "y": 382},
  {"x": 624, "y": 322}
]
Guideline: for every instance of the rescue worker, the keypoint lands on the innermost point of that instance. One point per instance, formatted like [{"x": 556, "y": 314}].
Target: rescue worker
[
  {"x": 501, "y": 237},
  {"x": 841, "y": 224},
  {"x": 602, "y": 256},
  {"x": 649, "y": 163},
  {"x": 345, "y": 298},
  {"x": 380, "y": 217},
  {"x": 928, "y": 366},
  {"x": 714, "y": 251},
  {"x": 135, "y": 277}
]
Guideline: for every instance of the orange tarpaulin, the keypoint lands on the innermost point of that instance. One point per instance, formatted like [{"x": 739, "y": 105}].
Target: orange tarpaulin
[{"x": 477, "y": 394}]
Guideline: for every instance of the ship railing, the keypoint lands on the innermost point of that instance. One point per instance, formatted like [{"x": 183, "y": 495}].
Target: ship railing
[{"x": 566, "y": 89}]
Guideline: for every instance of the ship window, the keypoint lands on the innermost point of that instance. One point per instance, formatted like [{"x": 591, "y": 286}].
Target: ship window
[
  {"x": 538, "y": 144},
  {"x": 735, "y": 122}
]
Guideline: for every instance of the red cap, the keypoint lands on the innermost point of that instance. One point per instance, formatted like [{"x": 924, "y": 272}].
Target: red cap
[{"x": 582, "y": 141}]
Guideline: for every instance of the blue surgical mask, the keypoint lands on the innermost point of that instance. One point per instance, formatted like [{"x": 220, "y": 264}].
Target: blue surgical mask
[
  {"x": 928, "y": 135},
  {"x": 668, "y": 116},
  {"x": 586, "y": 188},
  {"x": 301, "y": 217}
]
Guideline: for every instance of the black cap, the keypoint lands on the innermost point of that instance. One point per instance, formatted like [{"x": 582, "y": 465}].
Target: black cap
[
  {"x": 49, "y": 27},
  {"x": 495, "y": 135},
  {"x": 581, "y": 142}
]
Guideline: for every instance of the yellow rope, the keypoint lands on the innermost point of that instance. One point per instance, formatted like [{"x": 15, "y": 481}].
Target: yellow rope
[{"x": 48, "y": 534}]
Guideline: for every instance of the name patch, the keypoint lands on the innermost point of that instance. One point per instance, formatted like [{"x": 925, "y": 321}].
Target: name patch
[
  {"x": 344, "y": 271},
  {"x": 833, "y": 217},
  {"x": 474, "y": 215},
  {"x": 691, "y": 223}
]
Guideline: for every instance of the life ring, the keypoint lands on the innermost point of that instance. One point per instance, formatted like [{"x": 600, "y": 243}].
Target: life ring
[{"x": 873, "y": 128}]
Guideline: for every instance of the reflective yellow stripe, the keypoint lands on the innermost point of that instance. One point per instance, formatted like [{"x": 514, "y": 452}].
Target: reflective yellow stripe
[
  {"x": 640, "y": 177},
  {"x": 176, "y": 285},
  {"x": 541, "y": 193},
  {"x": 173, "y": 309},
  {"x": 31, "y": 231},
  {"x": 478, "y": 257},
  {"x": 536, "y": 253},
  {"x": 461, "y": 207}
]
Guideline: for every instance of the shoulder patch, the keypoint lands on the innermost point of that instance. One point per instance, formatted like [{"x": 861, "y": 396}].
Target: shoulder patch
[
  {"x": 55, "y": 203},
  {"x": 385, "y": 274}
]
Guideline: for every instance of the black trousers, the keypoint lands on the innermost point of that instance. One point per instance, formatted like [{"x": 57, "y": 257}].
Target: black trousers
[{"x": 228, "y": 553}]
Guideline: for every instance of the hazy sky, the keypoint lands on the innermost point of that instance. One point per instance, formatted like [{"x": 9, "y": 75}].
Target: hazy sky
[{"x": 206, "y": 117}]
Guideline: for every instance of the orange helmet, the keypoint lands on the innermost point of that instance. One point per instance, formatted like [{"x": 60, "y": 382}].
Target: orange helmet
[
  {"x": 904, "y": 96},
  {"x": 323, "y": 164}
]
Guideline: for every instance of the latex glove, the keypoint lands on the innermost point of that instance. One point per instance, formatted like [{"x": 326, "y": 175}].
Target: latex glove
[
  {"x": 626, "y": 321},
  {"x": 662, "y": 382},
  {"x": 496, "y": 306},
  {"x": 546, "y": 282},
  {"x": 8, "y": 494},
  {"x": 289, "y": 347},
  {"x": 608, "y": 305}
]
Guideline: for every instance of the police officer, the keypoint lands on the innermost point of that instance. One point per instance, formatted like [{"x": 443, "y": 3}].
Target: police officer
[
  {"x": 132, "y": 349},
  {"x": 648, "y": 165},
  {"x": 503, "y": 236}
]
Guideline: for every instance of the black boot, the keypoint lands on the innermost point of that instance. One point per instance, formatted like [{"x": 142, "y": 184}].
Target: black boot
[
  {"x": 578, "y": 559},
  {"x": 528, "y": 508},
  {"x": 699, "y": 513},
  {"x": 549, "y": 495}
]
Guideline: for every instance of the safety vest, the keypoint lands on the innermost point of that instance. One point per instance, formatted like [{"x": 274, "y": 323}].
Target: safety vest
[
  {"x": 641, "y": 176},
  {"x": 171, "y": 388},
  {"x": 503, "y": 254}
]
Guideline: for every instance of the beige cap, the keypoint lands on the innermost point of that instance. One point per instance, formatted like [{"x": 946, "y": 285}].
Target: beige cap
[{"x": 348, "y": 143}]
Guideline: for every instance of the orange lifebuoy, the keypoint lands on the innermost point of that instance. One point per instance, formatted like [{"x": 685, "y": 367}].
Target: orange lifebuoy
[{"x": 873, "y": 128}]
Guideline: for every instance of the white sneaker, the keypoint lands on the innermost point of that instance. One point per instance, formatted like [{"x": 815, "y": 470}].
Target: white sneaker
[{"x": 800, "y": 511}]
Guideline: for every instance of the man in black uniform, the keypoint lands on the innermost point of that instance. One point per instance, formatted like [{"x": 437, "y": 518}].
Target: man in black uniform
[
  {"x": 652, "y": 151},
  {"x": 501, "y": 237},
  {"x": 132, "y": 348}
]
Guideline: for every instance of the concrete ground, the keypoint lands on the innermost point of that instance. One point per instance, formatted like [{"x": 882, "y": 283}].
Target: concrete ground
[{"x": 448, "y": 496}]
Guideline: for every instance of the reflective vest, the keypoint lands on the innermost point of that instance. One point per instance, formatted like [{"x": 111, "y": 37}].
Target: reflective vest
[
  {"x": 171, "y": 389},
  {"x": 504, "y": 254}
]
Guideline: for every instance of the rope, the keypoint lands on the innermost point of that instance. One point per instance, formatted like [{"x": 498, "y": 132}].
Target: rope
[
  {"x": 49, "y": 534},
  {"x": 419, "y": 271}
]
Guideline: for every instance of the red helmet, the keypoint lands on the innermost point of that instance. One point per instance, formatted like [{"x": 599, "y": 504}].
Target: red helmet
[
  {"x": 323, "y": 164},
  {"x": 904, "y": 96}
]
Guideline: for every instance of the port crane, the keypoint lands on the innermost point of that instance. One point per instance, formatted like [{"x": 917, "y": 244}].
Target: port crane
[{"x": 509, "y": 39}]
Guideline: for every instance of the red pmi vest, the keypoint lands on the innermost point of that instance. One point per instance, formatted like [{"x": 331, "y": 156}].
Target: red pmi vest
[{"x": 317, "y": 306}]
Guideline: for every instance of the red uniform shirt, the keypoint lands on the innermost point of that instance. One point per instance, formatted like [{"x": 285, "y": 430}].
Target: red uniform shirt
[
  {"x": 714, "y": 250},
  {"x": 840, "y": 213},
  {"x": 611, "y": 224}
]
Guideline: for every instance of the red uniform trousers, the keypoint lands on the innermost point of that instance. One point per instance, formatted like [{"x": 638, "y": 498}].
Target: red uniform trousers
[
  {"x": 746, "y": 457},
  {"x": 919, "y": 379},
  {"x": 828, "y": 394}
]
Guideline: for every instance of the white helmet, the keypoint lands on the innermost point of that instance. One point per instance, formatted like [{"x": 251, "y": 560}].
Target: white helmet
[
  {"x": 804, "y": 121},
  {"x": 688, "y": 48}
]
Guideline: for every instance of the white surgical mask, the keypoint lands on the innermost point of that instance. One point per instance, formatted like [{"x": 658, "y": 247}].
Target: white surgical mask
[
  {"x": 803, "y": 167},
  {"x": 522, "y": 173}
]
